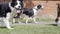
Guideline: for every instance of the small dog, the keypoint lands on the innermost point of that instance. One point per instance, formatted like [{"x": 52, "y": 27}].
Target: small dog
[
  {"x": 32, "y": 12},
  {"x": 6, "y": 10}
]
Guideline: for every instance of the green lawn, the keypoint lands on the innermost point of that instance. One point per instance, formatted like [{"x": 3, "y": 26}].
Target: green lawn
[
  {"x": 32, "y": 29},
  {"x": 38, "y": 20}
]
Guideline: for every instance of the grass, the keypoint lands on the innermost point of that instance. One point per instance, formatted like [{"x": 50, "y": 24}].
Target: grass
[
  {"x": 44, "y": 19},
  {"x": 39, "y": 20},
  {"x": 32, "y": 29}
]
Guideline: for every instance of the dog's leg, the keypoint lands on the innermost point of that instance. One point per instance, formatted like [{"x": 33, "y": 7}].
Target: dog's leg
[
  {"x": 13, "y": 20},
  {"x": 27, "y": 20},
  {"x": 18, "y": 20},
  {"x": 57, "y": 21},
  {"x": 34, "y": 20},
  {"x": 6, "y": 21}
]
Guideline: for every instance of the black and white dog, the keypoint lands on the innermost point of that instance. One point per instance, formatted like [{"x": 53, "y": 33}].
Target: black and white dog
[
  {"x": 6, "y": 10},
  {"x": 19, "y": 12},
  {"x": 31, "y": 13},
  {"x": 57, "y": 20}
]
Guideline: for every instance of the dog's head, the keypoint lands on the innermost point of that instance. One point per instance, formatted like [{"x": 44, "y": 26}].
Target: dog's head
[
  {"x": 39, "y": 7},
  {"x": 16, "y": 4}
]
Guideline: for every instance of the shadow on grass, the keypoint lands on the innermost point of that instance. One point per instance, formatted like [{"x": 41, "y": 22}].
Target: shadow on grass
[
  {"x": 2, "y": 27},
  {"x": 53, "y": 24}
]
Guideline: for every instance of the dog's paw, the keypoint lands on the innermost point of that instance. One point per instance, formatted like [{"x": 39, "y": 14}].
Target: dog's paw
[
  {"x": 19, "y": 22},
  {"x": 35, "y": 22},
  {"x": 26, "y": 23},
  {"x": 10, "y": 28}
]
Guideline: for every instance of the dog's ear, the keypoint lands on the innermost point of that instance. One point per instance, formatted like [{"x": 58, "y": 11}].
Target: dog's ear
[
  {"x": 12, "y": 4},
  {"x": 39, "y": 6},
  {"x": 13, "y": 0}
]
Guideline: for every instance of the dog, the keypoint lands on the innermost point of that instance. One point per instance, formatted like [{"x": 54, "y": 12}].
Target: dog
[
  {"x": 6, "y": 9},
  {"x": 31, "y": 13},
  {"x": 57, "y": 20},
  {"x": 17, "y": 16}
]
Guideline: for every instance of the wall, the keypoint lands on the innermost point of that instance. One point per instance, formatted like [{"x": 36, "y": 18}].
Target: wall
[{"x": 49, "y": 10}]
